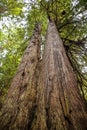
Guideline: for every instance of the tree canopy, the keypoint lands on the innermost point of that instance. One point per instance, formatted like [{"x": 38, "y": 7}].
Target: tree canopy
[{"x": 17, "y": 20}]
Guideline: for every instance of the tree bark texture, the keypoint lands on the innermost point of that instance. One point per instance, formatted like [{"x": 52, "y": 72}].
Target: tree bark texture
[
  {"x": 65, "y": 108},
  {"x": 19, "y": 105},
  {"x": 44, "y": 94}
]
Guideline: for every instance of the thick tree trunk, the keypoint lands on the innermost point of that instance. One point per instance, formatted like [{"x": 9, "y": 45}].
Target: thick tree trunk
[
  {"x": 20, "y": 104},
  {"x": 44, "y": 95},
  {"x": 65, "y": 109}
]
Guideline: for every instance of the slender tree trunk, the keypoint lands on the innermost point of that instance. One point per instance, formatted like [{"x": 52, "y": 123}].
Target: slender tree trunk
[{"x": 44, "y": 95}]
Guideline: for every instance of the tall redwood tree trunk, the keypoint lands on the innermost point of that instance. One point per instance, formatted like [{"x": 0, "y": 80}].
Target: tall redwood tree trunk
[
  {"x": 64, "y": 105},
  {"x": 19, "y": 105},
  {"x": 44, "y": 94}
]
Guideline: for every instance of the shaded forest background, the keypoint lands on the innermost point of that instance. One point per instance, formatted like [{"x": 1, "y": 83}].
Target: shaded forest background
[{"x": 17, "y": 20}]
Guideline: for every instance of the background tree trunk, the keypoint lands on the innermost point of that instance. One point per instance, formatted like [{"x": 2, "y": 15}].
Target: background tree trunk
[
  {"x": 19, "y": 105},
  {"x": 44, "y": 95}
]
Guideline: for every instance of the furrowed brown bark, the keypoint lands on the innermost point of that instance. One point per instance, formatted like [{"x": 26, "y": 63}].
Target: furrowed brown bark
[
  {"x": 20, "y": 104},
  {"x": 44, "y": 94},
  {"x": 64, "y": 105}
]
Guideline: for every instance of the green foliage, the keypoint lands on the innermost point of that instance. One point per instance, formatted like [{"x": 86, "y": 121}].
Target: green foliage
[
  {"x": 11, "y": 51},
  {"x": 11, "y": 7}
]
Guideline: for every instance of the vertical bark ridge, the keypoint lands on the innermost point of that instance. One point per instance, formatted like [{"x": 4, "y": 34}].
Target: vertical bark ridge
[
  {"x": 65, "y": 107},
  {"x": 38, "y": 113},
  {"x": 21, "y": 99},
  {"x": 39, "y": 122}
]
